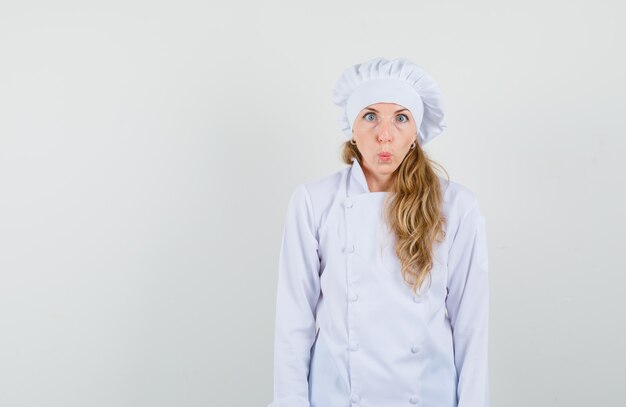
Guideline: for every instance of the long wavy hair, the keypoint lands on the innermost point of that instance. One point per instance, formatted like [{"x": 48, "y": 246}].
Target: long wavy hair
[{"x": 412, "y": 212}]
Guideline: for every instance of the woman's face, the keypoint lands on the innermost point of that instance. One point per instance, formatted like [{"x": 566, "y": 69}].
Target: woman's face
[{"x": 384, "y": 133}]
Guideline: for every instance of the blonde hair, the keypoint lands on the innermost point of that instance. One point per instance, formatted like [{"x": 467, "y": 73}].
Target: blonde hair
[{"x": 412, "y": 212}]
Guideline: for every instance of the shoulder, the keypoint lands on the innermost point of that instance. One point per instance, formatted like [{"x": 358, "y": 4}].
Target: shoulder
[
  {"x": 458, "y": 199},
  {"x": 322, "y": 189},
  {"x": 317, "y": 195},
  {"x": 462, "y": 212}
]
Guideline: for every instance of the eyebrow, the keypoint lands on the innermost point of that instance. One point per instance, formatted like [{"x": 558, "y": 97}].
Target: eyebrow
[{"x": 397, "y": 111}]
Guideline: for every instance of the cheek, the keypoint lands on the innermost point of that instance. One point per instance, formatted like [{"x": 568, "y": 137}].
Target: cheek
[
  {"x": 409, "y": 140},
  {"x": 367, "y": 146}
]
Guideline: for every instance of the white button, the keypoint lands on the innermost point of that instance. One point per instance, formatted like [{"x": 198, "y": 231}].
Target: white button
[
  {"x": 415, "y": 348},
  {"x": 354, "y": 346},
  {"x": 350, "y": 248},
  {"x": 356, "y": 398},
  {"x": 414, "y": 400},
  {"x": 354, "y": 296},
  {"x": 348, "y": 203},
  {"x": 417, "y": 298}
]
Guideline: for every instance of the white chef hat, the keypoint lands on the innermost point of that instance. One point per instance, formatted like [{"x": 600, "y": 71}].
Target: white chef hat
[{"x": 399, "y": 81}]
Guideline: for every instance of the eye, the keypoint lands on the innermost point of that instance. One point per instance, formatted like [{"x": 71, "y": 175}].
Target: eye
[
  {"x": 402, "y": 118},
  {"x": 369, "y": 116}
]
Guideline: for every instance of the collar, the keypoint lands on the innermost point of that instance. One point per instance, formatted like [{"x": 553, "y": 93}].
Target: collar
[{"x": 357, "y": 183}]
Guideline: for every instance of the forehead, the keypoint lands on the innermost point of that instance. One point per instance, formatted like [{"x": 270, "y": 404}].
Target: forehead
[{"x": 385, "y": 107}]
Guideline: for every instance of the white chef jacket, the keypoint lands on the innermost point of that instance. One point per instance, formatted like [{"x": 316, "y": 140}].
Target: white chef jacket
[{"x": 349, "y": 332}]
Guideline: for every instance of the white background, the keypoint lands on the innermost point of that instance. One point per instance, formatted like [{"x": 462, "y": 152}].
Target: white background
[{"x": 148, "y": 149}]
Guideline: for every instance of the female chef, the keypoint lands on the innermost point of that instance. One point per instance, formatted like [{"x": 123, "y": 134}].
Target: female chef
[{"x": 383, "y": 295}]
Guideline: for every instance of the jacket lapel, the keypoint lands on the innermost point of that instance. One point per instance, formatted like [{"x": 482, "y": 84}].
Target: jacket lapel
[{"x": 357, "y": 184}]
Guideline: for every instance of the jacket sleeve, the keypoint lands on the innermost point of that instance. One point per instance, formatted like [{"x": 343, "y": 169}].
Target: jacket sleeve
[
  {"x": 297, "y": 295},
  {"x": 467, "y": 305}
]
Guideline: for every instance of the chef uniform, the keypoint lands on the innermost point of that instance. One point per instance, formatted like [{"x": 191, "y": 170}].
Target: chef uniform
[{"x": 349, "y": 331}]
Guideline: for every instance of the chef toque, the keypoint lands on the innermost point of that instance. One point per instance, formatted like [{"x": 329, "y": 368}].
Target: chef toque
[{"x": 399, "y": 81}]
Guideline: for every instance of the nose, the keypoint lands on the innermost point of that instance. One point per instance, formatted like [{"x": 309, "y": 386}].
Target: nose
[{"x": 384, "y": 130}]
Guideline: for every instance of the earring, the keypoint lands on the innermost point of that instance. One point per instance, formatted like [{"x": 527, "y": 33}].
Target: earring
[
  {"x": 413, "y": 145},
  {"x": 353, "y": 142}
]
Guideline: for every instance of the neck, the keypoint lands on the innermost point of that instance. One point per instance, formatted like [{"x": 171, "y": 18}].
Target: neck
[{"x": 377, "y": 183}]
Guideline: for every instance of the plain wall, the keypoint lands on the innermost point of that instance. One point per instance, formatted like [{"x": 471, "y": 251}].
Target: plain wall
[{"x": 148, "y": 149}]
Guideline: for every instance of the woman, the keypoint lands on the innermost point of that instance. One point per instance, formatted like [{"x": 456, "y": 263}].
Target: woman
[{"x": 383, "y": 296}]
